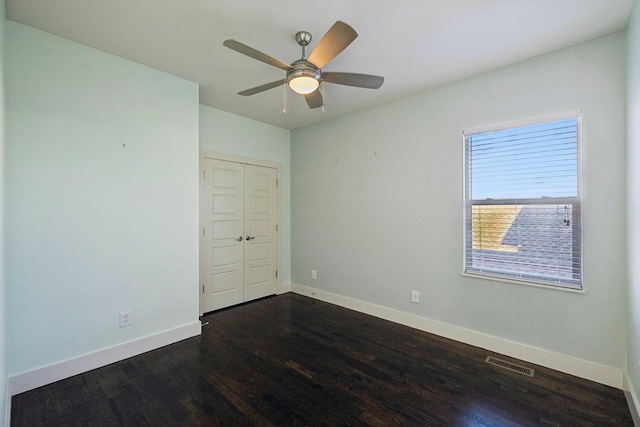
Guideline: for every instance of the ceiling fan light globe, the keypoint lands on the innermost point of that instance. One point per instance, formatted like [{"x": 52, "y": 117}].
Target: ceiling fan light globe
[{"x": 304, "y": 85}]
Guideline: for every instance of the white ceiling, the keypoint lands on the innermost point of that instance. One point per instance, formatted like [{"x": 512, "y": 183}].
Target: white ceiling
[{"x": 414, "y": 44}]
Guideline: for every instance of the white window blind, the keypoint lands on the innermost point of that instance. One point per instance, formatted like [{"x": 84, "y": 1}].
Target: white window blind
[{"x": 522, "y": 210}]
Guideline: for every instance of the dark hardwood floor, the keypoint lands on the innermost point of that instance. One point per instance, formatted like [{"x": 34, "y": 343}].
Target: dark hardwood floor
[{"x": 290, "y": 360}]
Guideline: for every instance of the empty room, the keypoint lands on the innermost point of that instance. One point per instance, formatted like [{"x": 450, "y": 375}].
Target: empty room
[{"x": 225, "y": 212}]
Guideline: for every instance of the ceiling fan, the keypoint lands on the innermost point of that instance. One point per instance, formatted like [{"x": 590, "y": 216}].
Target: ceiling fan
[{"x": 305, "y": 74}]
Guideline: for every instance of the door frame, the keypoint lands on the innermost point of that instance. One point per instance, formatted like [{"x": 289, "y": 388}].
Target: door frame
[{"x": 206, "y": 154}]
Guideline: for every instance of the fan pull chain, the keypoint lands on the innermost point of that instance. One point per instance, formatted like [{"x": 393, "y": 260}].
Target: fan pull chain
[
  {"x": 284, "y": 97},
  {"x": 324, "y": 97}
]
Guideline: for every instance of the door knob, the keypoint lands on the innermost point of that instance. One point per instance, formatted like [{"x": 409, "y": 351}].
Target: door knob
[
  {"x": 250, "y": 238},
  {"x": 239, "y": 238}
]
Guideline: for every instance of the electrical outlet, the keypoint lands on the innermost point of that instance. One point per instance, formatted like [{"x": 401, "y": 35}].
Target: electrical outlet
[
  {"x": 415, "y": 296},
  {"x": 125, "y": 318},
  {"x": 314, "y": 274}
]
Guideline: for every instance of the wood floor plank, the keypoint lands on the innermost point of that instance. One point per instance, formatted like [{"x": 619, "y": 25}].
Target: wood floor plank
[{"x": 290, "y": 360}]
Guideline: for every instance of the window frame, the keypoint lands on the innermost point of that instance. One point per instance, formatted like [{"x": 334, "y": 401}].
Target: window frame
[{"x": 575, "y": 202}]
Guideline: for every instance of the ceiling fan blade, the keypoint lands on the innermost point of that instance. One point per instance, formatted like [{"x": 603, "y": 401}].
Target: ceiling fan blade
[
  {"x": 339, "y": 36},
  {"x": 255, "y": 54},
  {"x": 314, "y": 99},
  {"x": 261, "y": 88},
  {"x": 353, "y": 79}
]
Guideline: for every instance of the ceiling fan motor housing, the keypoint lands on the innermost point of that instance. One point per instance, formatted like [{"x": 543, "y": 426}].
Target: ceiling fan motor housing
[{"x": 303, "y": 68}]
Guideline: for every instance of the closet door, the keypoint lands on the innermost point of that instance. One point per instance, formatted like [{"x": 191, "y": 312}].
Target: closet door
[
  {"x": 260, "y": 258},
  {"x": 222, "y": 256},
  {"x": 239, "y": 233}
]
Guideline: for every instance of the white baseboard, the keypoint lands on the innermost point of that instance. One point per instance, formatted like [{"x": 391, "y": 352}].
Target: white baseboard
[
  {"x": 284, "y": 288},
  {"x": 568, "y": 364},
  {"x": 7, "y": 405},
  {"x": 48, "y": 374},
  {"x": 632, "y": 400}
]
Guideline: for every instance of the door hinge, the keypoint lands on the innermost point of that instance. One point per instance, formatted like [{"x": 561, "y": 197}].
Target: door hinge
[
  {"x": 203, "y": 172},
  {"x": 276, "y": 273},
  {"x": 203, "y": 231},
  {"x": 276, "y": 227},
  {"x": 203, "y": 289}
]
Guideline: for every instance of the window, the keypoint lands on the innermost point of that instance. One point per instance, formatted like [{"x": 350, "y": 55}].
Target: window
[{"x": 522, "y": 203}]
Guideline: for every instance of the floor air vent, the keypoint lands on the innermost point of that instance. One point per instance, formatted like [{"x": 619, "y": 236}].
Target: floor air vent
[{"x": 510, "y": 366}]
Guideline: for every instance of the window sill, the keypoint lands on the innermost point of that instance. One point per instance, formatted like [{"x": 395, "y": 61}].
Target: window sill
[{"x": 523, "y": 282}]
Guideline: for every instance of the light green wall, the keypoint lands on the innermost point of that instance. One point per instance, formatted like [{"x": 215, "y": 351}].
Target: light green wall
[
  {"x": 227, "y": 133},
  {"x": 633, "y": 195},
  {"x": 102, "y": 199},
  {"x": 4, "y": 390},
  {"x": 377, "y": 203}
]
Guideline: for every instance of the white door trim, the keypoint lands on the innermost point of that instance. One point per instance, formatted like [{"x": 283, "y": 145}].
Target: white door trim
[{"x": 205, "y": 154}]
